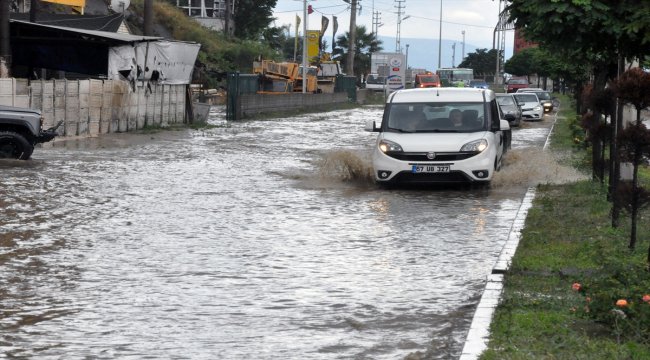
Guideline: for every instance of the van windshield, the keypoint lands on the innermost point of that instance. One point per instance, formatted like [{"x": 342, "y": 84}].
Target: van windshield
[
  {"x": 505, "y": 100},
  {"x": 428, "y": 79},
  {"x": 436, "y": 117},
  {"x": 374, "y": 79},
  {"x": 518, "y": 81}
]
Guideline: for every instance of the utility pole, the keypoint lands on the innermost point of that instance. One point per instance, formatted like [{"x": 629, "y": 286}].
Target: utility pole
[
  {"x": 352, "y": 38},
  {"x": 440, "y": 38},
  {"x": 463, "y": 58},
  {"x": 304, "y": 46},
  {"x": 376, "y": 23},
  {"x": 5, "y": 47},
  {"x": 453, "y": 55},
  {"x": 226, "y": 22},
  {"x": 34, "y": 5},
  {"x": 148, "y": 17},
  {"x": 398, "y": 45}
]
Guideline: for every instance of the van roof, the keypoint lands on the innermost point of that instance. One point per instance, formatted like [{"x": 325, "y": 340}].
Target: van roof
[{"x": 441, "y": 94}]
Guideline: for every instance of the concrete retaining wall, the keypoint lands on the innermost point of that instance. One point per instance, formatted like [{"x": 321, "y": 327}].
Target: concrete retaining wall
[
  {"x": 253, "y": 104},
  {"x": 92, "y": 107}
]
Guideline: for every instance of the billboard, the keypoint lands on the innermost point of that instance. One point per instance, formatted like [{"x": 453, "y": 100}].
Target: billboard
[
  {"x": 391, "y": 65},
  {"x": 396, "y": 72}
]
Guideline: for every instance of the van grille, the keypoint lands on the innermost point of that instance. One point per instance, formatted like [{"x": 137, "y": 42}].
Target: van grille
[
  {"x": 451, "y": 177},
  {"x": 421, "y": 156}
]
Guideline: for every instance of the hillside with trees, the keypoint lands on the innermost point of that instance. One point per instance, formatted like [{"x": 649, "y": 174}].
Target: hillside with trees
[{"x": 219, "y": 53}]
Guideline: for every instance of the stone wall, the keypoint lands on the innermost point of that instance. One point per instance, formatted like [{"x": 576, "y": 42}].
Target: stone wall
[
  {"x": 92, "y": 107},
  {"x": 253, "y": 104}
]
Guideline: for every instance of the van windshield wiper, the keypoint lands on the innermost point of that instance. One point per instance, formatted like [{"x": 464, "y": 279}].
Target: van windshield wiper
[{"x": 403, "y": 130}]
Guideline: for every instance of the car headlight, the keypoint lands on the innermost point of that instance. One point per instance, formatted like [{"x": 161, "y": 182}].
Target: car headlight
[
  {"x": 387, "y": 146},
  {"x": 475, "y": 146},
  {"x": 537, "y": 108}
]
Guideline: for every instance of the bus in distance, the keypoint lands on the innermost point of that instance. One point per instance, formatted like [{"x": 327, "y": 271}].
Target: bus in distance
[{"x": 457, "y": 77}]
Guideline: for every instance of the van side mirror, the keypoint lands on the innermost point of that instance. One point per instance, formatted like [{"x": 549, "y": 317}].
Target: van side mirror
[
  {"x": 509, "y": 117},
  {"x": 371, "y": 126},
  {"x": 504, "y": 125}
]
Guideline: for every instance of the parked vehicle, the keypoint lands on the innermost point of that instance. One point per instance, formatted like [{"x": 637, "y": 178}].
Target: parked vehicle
[
  {"x": 544, "y": 97},
  {"x": 20, "y": 130},
  {"x": 426, "y": 81},
  {"x": 515, "y": 83},
  {"x": 439, "y": 135},
  {"x": 375, "y": 82},
  {"x": 531, "y": 109},
  {"x": 479, "y": 84},
  {"x": 510, "y": 108}
]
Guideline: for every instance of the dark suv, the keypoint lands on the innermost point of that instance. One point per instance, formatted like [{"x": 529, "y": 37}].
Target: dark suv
[{"x": 20, "y": 130}]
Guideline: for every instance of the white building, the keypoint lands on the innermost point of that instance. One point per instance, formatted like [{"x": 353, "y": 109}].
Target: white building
[{"x": 213, "y": 14}]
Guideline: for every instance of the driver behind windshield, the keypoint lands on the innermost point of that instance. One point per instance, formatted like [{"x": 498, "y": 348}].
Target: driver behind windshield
[{"x": 456, "y": 117}]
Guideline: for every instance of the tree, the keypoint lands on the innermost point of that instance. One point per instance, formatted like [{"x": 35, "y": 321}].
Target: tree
[
  {"x": 252, "y": 17},
  {"x": 520, "y": 64},
  {"x": 482, "y": 61},
  {"x": 276, "y": 37},
  {"x": 365, "y": 44},
  {"x": 633, "y": 87},
  {"x": 596, "y": 32}
]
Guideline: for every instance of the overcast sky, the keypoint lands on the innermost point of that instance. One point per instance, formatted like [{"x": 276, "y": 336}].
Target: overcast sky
[{"x": 477, "y": 18}]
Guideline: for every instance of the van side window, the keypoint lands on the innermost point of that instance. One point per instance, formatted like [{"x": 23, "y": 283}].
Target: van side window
[{"x": 494, "y": 113}]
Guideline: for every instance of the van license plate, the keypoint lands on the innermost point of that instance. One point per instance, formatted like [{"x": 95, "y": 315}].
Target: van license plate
[{"x": 430, "y": 169}]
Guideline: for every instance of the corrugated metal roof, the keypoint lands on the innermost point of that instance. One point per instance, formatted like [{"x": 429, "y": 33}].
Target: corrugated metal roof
[
  {"x": 89, "y": 22},
  {"x": 126, "y": 38}
]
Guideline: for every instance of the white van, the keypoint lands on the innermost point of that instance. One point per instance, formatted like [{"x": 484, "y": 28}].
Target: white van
[
  {"x": 375, "y": 82},
  {"x": 439, "y": 135}
]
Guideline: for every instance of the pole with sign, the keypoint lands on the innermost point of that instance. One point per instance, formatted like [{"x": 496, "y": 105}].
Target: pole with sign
[{"x": 397, "y": 72}]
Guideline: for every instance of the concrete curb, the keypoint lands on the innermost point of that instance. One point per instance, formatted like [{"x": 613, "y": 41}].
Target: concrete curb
[{"x": 478, "y": 335}]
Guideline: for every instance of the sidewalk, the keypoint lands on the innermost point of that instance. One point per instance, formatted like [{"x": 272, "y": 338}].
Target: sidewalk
[{"x": 478, "y": 335}]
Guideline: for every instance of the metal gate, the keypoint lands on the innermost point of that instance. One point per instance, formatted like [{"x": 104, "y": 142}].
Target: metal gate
[
  {"x": 347, "y": 84},
  {"x": 239, "y": 84}
]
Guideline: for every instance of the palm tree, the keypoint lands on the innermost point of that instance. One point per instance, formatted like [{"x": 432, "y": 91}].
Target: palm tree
[{"x": 365, "y": 44}]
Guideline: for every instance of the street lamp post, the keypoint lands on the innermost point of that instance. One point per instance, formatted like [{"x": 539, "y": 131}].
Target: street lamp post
[
  {"x": 440, "y": 38},
  {"x": 463, "y": 58},
  {"x": 406, "y": 63},
  {"x": 453, "y": 55}
]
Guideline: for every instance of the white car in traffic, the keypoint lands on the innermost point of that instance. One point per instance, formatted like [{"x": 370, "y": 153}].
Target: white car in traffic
[
  {"x": 531, "y": 108},
  {"x": 439, "y": 135}
]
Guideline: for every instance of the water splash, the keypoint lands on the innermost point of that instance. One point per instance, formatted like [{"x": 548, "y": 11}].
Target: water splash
[
  {"x": 345, "y": 166},
  {"x": 533, "y": 166}
]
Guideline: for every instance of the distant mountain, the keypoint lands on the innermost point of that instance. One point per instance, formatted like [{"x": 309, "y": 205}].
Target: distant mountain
[{"x": 423, "y": 53}]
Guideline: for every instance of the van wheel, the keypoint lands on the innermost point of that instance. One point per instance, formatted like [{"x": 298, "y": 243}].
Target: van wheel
[
  {"x": 14, "y": 146},
  {"x": 497, "y": 164}
]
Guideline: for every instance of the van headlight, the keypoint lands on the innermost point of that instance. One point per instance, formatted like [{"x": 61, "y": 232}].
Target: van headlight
[
  {"x": 475, "y": 146},
  {"x": 387, "y": 146},
  {"x": 537, "y": 108}
]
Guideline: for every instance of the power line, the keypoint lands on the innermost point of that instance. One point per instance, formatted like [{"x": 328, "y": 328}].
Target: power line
[{"x": 454, "y": 23}]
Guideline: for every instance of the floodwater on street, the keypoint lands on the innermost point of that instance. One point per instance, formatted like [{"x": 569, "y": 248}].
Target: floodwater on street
[{"x": 259, "y": 239}]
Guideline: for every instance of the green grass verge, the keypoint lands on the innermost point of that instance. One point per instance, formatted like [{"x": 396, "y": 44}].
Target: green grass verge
[{"x": 568, "y": 239}]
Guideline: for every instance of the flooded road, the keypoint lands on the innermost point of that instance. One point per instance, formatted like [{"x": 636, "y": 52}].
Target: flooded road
[{"x": 259, "y": 239}]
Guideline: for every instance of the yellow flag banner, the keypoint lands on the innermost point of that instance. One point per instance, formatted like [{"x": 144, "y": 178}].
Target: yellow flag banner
[
  {"x": 80, "y": 3},
  {"x": 312, "y": 43}
]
